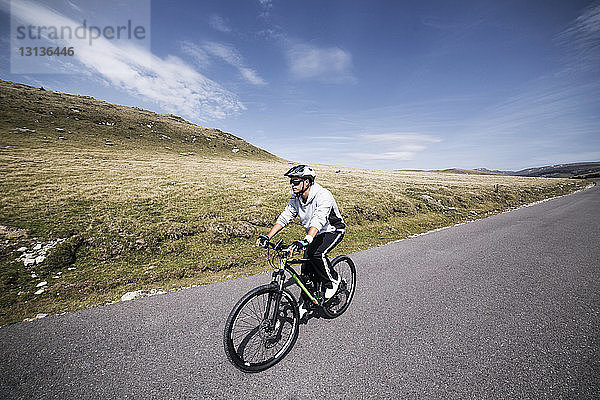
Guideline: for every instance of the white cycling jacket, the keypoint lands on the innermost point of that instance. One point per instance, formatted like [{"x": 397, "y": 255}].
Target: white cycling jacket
[{"x": 319, "y": 211}]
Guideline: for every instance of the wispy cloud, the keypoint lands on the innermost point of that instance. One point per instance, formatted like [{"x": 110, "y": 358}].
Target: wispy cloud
[
  {"x": 330, "y": 137},
  {"x": 390, "y": 156},
  {"x": 230, "y": 55},
  {"x": 219, "y": 23},
  {"x": 200, "y": 56},
  {"x": 307, "y": 61},
  {"x": 326, "y": 64},
  {"x": 553, "y": 103},
  {"x": 170, "y": 82},
  {"x": 399, "y": 146},
  {"x": 586, "y": 28},
  {"x": 266, "y": 6},
  {"x": 395, "y": 138},
  {"x": 73, "y": 5},
  {"x": 396, "y": 146},
  {"x": 582, "y": 39}
]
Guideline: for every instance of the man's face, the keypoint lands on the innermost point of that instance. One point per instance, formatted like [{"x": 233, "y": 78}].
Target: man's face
[{"x": 298, "y": 184}]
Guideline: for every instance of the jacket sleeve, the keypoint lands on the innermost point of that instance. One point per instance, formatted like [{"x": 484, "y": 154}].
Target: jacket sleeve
[
  {"x": 288, "y": 214},
  {"x": 322, "y": 210}
]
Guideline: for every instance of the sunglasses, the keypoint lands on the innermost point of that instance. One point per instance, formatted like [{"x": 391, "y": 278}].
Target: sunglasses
[{"x": 296, "y": 181}]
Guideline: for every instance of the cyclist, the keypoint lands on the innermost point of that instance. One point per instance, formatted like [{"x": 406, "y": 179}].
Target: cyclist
[{"x": 322, "y": 220}]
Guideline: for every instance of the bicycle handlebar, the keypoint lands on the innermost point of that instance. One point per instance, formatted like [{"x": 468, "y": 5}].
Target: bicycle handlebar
[{"x": 279, "y": 246}]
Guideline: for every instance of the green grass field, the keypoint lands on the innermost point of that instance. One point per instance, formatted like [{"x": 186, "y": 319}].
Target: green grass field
[{"x": 146, "y": 201}]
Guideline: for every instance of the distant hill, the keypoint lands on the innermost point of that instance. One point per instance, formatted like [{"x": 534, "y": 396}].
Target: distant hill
[
  {"x": 574, "y": 170},
  {"x": 466, "y": 171},
  {"x": 85, "y": 122},
  {"x": 494, "y": 171}
]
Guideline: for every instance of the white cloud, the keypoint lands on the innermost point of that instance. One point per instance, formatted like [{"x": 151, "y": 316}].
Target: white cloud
[
  {"x": 390, "y": 156},
  {"x": 225, "y": 52},
  {"x": 170, "y": 82},
  {"x": 199, "y": 55},
  {"x": 251, "y": 76},
  {"x": 392, "y": 138},
  {"x": 586, "y": 28},
  {"x": 218, "y": 23},
  {"x": 73, "y": 6},
  {"x": 582, "y": 39},
  {"x": 231, "y": 56},
  {"x": 552, "y": 108},
  {"x": 398, "y": 146},
  {"x": 266, "y": 6},
  {"x": 330, "y": 64},
  {"x": 331, "y": 137}
]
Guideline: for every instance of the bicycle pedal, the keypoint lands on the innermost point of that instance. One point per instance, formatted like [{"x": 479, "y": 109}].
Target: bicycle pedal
[{"x": 320, "y": 300}]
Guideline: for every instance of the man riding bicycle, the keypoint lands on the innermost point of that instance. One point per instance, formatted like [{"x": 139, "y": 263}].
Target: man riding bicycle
[{"x": 322, "y": 220}]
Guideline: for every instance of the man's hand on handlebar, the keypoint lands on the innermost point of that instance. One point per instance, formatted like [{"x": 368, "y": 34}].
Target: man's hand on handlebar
[
  {"x": 262, "y": 241},
  {"x": 300, "y": 244}
]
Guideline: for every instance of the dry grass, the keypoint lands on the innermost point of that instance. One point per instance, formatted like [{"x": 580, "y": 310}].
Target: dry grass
[{"x": 144, "y": 217}]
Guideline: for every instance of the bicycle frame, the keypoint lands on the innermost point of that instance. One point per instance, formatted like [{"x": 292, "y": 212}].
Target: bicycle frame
[
  {"x": 285, "y": 266},
  {"x": 279, "y": 280}
]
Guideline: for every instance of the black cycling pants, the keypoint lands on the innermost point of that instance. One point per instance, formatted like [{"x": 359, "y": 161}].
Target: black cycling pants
[{"x": 317, "y": 251}]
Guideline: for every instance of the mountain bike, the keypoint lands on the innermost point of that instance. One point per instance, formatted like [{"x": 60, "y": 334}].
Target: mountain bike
[{"x": 263, "y": 326}]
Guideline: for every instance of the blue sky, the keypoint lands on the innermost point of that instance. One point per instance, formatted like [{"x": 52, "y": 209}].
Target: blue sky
[{"x": 373, "y": 84}]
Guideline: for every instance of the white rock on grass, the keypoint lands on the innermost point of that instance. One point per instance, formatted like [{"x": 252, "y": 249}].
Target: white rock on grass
[
  {"x": 42, "y": 284},
  {"x": 37, "y": 316},
  {"x": 131, "y": 295},
  {"x": 29, "y": 261},
  {"x": 39, "y": 252},
  {"x": 42, "y": 290}
]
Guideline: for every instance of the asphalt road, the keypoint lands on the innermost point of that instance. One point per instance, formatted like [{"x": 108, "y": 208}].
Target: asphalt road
[{"x": 505, "y": 307}]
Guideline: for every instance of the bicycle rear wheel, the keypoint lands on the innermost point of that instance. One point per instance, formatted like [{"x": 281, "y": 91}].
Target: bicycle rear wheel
[
  {"x": 340, "y": 302},
  {"x": 252, "y": 342}
]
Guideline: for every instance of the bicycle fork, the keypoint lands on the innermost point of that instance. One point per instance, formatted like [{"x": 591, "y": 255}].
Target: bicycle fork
[{"x": 274, "y": 300}]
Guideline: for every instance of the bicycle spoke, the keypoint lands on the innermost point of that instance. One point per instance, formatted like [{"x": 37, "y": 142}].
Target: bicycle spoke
[{"x": 253, "y": 338}]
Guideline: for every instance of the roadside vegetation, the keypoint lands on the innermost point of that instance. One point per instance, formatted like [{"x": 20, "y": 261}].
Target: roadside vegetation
[{"x": 107, "y": 200}]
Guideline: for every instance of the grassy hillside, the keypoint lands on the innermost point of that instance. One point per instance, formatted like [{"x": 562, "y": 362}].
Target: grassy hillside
[
  {"x": 96, "y": 202},
  {"x": 40, "y": 119}
]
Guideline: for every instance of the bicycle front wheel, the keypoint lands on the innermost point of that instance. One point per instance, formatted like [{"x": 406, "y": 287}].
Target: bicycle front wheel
[
  {"x": 340, "y": 302},
  {"x": 257, "y": 335}
]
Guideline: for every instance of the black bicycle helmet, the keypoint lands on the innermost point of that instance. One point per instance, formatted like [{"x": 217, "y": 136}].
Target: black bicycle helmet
[{"x": 301, "y": 171}]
